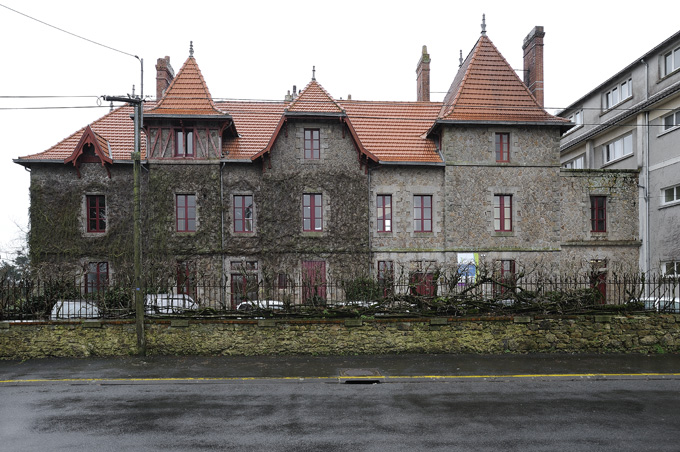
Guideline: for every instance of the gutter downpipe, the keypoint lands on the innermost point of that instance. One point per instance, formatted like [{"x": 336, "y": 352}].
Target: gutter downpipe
[
  {"x": 370, "y": 241},
  {"x": 646, "y": 163},
  {"x": 647, "y": 233},
  {"x": 222, "y": 276}
]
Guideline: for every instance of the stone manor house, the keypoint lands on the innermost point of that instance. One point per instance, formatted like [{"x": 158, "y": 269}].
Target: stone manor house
[{"x": 316, "y": 188}]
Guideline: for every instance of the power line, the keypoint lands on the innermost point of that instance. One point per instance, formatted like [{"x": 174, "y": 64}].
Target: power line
[
  {"x": 68, "y": 32},
  {"x": 54, "y": 108},
  {"x": 46, "y": 97}
]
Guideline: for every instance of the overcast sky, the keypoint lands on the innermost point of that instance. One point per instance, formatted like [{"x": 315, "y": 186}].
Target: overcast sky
[{"x": 260, "y": 49}]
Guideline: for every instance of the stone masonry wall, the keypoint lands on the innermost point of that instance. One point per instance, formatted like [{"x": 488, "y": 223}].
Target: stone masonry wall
[
  {"x": 649, "y": 333},
  {"x": 58, "y": 238}
]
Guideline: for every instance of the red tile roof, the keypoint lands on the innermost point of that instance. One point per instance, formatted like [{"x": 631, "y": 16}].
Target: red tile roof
[
  {"x": 255, "y": 123},
  {"x": 314, "y": 99},
  {"x": 486, "y": 88},
  {"x": 116, "y": 128},
  {"x": 188, "y": 94},
  {"x": 394, "y": 131}
]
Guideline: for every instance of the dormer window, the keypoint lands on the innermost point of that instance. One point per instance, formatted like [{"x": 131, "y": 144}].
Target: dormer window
[
  {"x": 184, "y": 143},
  {"x": 618, "y": 94}
]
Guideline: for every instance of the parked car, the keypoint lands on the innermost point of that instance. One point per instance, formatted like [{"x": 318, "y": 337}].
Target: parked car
[
  {"x": 664, "y": 303},
  {"x": 352, "y": 304},
  {"x": 166, "y": 303},
  {"x": 253, "y": 305},
  {"x": 74, "y": 309}
]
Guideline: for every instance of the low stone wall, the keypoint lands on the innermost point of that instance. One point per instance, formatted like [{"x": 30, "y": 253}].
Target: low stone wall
[{"x": 649, "y": 333}]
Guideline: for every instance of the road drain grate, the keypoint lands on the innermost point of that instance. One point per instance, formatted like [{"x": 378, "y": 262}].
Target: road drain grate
[
  {"x": 354, "y": 376},
  {"x": 362, "y": 381}
]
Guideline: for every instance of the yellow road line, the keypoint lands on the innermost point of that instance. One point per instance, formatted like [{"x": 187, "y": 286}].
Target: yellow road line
[{"x": 373, "y": 377}]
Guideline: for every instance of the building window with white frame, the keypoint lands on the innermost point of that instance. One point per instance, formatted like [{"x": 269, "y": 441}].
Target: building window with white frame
[
  {"x": 577, "y": 118},
  {"x": 671, "y": 195},
  {"x": 577, "y": 163},
  {"x": 618, "y": 94},
  {"x": 618, "y": 148},
  {"x": 671, "y": 121},
  {"x": 671, "y": 61},
  {"x": 671, "y": 268}
]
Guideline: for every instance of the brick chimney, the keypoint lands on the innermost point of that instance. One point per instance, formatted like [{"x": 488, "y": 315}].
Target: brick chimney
[
  {"x": 164, "y": 75},
  {"x": 533, "y": 63},
  {"x": 423, "y": 76}
]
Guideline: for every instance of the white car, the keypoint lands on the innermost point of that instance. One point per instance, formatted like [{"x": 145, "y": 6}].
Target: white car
[
  {"x": 166, "y": 303},
  {"x": 74, "y": 309},
  {"x": 259, "y": 304},
  {"x": 663, "y": 303}
]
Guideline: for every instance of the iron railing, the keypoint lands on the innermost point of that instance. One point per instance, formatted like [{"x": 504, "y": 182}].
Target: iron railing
[{"x": 419, "y": 293}]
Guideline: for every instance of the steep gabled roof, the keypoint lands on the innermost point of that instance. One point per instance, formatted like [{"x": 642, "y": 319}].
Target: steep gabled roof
[
  {"x": 314, "y": 99},
  {"x": 486, "y": 88},
  {"x": 256, "y": 122},
  {"x": 101, "y": 147},
  {"x": 187, "y": 95},
  {"x": 395, "y": 131},
  {"x": 116, "y": 128}
]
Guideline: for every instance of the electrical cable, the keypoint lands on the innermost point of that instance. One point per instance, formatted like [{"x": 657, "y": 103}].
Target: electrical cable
[{"x": 68, "y": 32}]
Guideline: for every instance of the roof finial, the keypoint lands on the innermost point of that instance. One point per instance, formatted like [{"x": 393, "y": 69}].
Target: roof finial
[
  {"x": 191, "y": 49},
  {"x": 313, "y": 72},
  {"x": 483, "y": 24},
  {"x": 460, "y": 58}
]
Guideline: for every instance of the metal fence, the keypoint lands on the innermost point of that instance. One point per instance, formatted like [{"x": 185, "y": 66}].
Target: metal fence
[{"x": 418, "y": 293}]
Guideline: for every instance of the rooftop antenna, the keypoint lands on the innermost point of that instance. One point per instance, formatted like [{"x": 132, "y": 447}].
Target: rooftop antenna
[
  {"x": 460, "y": 58},
  {"x": 191, "y": 49},
  {"x": 483, "y": 24},
  {"x": 313, "y": 72}
]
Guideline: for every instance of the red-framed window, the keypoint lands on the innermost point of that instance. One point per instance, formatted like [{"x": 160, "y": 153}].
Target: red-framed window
[
  {"x": 422, "y": 213},
  {"x": 186, "y": 213},
  {"x": 282, "y": 281},
  {"x": 384, "y": 206},
  {"x": 502, "y": 147},
  {"x": 244, "y": 283},
  {"x": 96, "y": 213},
  {"x": 505, "y": 277},
  {"x": 185, "y": 278},
  {"x": 386, "y": 277},
  {"x": 313, "y": 281},
  {"x": 312, "y": 212},
  {"x": 598, "y": 214},
  {"x": 184, "y": 143},
  {"x": 243, "y": 213},
  {"x": 502, "y": 213},
  {"x": 312, "y": 144},
  {"x": 97, "y": 277}
]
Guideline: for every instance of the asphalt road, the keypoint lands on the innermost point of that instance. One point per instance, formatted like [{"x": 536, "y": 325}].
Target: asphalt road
[{"x": 466, "y": 403}]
